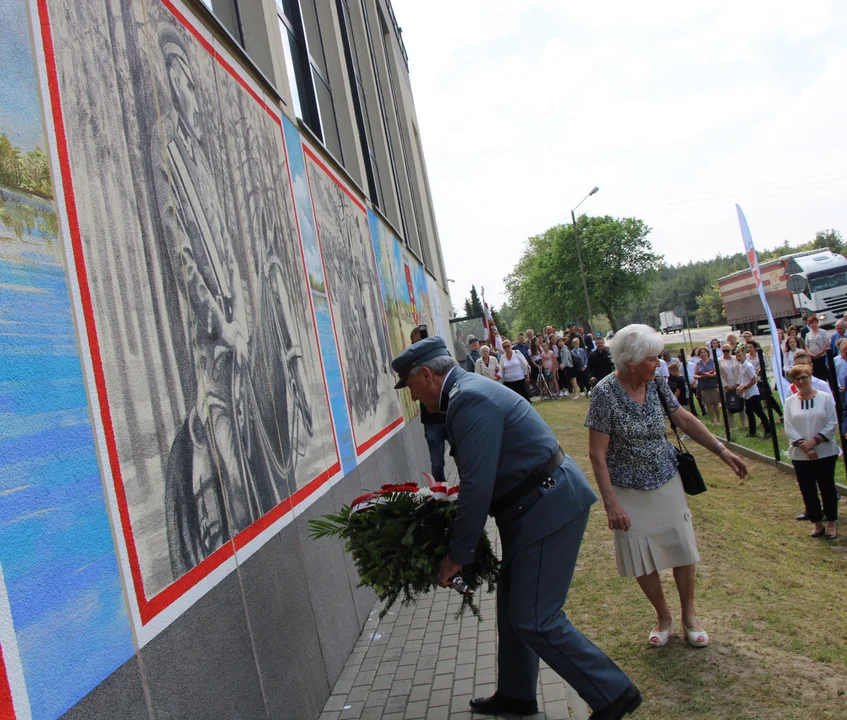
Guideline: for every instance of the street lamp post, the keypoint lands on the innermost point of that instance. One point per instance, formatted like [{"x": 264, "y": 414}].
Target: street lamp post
[{"x": 579, "y": 255}]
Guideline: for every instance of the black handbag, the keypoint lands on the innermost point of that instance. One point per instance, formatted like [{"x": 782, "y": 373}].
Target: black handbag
[
  {"x": 692, "y": 480},
  {"x": 734, "y": 402}
]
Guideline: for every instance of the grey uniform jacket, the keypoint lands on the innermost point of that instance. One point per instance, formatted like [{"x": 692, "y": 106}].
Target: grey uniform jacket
[{"x": 499, "y": 439}]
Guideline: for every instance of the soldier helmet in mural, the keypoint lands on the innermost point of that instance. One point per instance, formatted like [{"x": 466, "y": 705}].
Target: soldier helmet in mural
[
  {"x": 416, "y": 354},
  {"x": 172, "y": 46},
  {"x": 175, "y": 55},
  {"x": 181, "y": 81}
]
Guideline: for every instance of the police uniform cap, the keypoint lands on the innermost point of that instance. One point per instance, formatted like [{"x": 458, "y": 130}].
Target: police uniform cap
[
  {"x": 416, "y": 354},
  {"x": 472, "y": 339}
]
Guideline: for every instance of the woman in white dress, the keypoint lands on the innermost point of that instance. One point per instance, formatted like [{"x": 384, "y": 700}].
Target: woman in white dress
[
  {"x": 791, "y": 347},
  {"x": 817, "y": 343},
  {"x": 487, "y": 364},
  {"x": 636, "y": 471},
  {"x": 729, "y": 368}
]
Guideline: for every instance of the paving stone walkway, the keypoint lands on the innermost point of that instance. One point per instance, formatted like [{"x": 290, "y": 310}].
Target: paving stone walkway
[{"x": 421, "y": 663}]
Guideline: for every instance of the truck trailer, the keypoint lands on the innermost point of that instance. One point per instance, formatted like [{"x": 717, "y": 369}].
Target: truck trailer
[
  {"x": 814, "y": 281},
  {"x": 668, "y": 322}
]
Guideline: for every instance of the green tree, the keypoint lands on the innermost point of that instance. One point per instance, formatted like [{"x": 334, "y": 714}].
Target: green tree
[
  {"x": 500, "y": 319},
  {"x": 29, "y": 172},
  {"x": 504, "y": 319},
  {"x": 710, "y": 310},
  {"x": 546, "y": 284},
  {"x": 473, "y": 305},
  {"x": 831, "y": 239}
]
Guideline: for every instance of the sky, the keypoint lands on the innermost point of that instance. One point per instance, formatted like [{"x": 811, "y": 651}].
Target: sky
[{"x": 677, "y": 111}]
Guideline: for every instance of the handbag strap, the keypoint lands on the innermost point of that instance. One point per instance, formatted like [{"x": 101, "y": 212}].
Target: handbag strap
[{"x": 679, "y": 442}]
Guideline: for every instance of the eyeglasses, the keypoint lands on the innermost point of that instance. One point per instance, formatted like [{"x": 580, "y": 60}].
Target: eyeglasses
[{"x": 802, "y": 377}]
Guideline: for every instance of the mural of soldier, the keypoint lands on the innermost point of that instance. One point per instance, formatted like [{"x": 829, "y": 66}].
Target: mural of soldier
[
  {"x": 233, "y": 459},
  {"x": 356, "y": 306}
]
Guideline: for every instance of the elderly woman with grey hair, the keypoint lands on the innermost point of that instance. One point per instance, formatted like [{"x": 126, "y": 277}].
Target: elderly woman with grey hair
[
  {"x": 636, "y": 471},
  {"x": 488, "y": 365}
]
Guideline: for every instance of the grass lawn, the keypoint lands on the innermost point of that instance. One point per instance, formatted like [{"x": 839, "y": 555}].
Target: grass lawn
[{"x": 773, "y": 600}]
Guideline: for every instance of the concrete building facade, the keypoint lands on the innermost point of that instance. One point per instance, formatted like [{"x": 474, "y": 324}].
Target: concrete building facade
[{"x": 216, "y": 231}]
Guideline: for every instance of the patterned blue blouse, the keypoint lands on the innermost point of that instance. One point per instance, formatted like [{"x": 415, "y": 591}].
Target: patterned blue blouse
[{"x": 639, "y": 454}]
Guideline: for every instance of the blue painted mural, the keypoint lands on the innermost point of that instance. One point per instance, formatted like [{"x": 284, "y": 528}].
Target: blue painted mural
[
  {"x": 320, "y": 301},
  {"x": 56, "y": 545}
]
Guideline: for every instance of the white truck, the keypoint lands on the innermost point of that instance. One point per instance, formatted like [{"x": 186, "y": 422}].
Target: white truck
[
  {"x": 668, "y": 322},
  {"x": 814, "y": 281}
]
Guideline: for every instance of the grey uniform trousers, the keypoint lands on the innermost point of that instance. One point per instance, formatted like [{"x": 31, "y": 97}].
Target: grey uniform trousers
[{"x": 531, "y": 623}]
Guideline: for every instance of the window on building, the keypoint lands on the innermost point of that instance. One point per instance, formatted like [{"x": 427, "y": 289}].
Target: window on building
[
  {"x": 408, "y": 200},
  {"x": 382, "y": 99},
  {"x": 307, "y": 72},
  {"x": 228, "y": 14},
  {"x": 360, "y": 104}
]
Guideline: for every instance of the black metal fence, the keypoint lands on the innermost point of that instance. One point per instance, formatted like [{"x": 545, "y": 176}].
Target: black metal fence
[{"x": 766, "y": 389}]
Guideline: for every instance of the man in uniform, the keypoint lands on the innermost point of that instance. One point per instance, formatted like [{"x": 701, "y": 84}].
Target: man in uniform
[{"x": 512, "y": 467}]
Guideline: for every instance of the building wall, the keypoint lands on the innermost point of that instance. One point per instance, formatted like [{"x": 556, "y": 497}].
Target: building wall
[{"x": 198, "y": 309}]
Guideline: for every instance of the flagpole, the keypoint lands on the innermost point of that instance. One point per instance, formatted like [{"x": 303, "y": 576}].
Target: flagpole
[
  {"x": 486, "y": 317},
  {"x": 753, "y": 260}
]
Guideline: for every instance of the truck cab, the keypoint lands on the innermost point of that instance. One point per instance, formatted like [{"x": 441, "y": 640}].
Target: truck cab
[{"x": 818, "y": 284}]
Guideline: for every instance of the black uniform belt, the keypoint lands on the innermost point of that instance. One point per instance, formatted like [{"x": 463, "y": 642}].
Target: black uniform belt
[{"x": 537, "y": 477}]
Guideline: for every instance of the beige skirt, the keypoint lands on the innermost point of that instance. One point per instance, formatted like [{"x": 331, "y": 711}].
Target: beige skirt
[
  {"x": 710, "y": 397},
  {"x": 661, "y": 535}
]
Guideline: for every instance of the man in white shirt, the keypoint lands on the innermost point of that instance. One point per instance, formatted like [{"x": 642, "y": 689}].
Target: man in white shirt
[
  {"x": 663, "y": 369},
  {"x": 748, "y": 389}
]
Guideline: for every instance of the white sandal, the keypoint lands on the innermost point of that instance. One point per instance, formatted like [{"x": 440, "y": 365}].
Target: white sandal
[
  {"x": 696, "y": 638},
  {"x": 660, "y": 638}
]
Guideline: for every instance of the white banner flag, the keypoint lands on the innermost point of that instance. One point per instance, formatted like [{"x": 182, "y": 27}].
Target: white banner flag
[{"x": 753, "y": 259}]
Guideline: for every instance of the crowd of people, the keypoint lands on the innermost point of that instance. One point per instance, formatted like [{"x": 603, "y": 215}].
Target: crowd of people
[
  {"x": 552, "y": 364},
  {"x": 571, "y": 362}
]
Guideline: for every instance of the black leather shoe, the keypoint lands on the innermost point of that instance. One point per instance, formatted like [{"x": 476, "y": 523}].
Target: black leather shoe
[
  {"x": 629, "y": 700},
  {"x": 802, "y": 516},
  {"x": 499, "y": 703}
]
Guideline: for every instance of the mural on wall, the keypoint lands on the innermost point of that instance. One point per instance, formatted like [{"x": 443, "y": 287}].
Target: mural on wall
[
  {"x": 439, "y": 317},
  {"x": 357, "y": 310},
  {"x": 320, "y": 300},
  {"x": 384, "y": 243},
  {"x": 406, "y": 294},
  {"x": 423, "y": 305},
  {"x": 63, "y": 621},
  {"x": 217, "y": 417}
]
